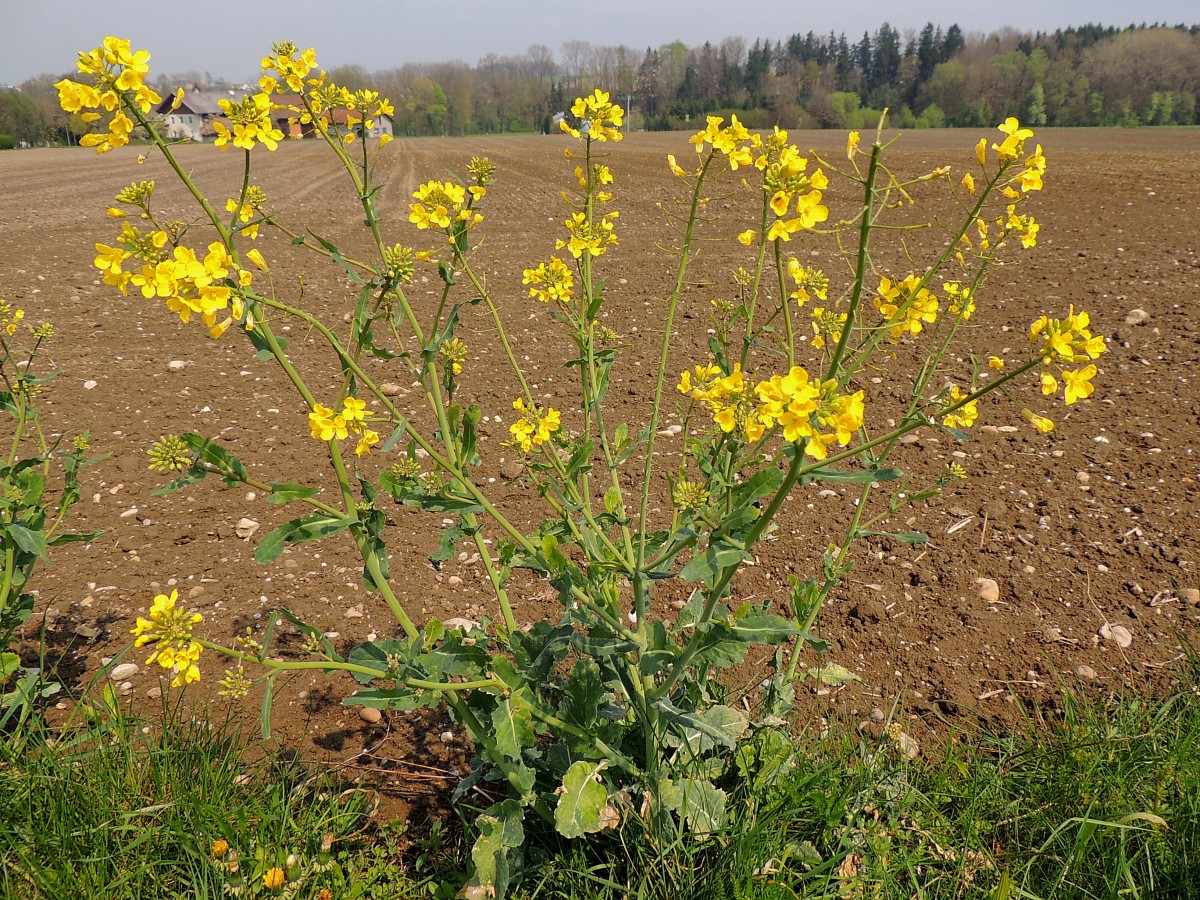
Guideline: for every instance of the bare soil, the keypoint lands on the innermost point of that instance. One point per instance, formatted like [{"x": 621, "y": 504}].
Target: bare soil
[{"x": 1092, "y": 525}]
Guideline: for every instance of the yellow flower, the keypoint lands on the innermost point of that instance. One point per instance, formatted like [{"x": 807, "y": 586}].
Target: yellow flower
[
  {"x": 553, "y": 281},
  {"x": 273, "y": 879},
  {"x": 1041, "y": 423},
  {"x": 257, "y": 258},
  {"x": 169, "y": 629},
  {"x": 995, "y": 362},
  {"x": 964, "y": 416},
  {"x": 1079, "y": 383},
  {"x": 852, "y": 140},
  {"x": 968, "y": 183},
  {"x": 746, "y": 238},
  {"x": 534, "y": 427},
  {"x": 981, "y": 151},
  {"x": 1049, "y": 384},
  {"x": 366, "y": 441}
]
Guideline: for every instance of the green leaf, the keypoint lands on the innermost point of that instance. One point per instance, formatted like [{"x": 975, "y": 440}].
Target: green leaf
[
  {"x": 30, "y": 541},
  {"x": 314, "y": 526},
  {"x": 603, "y": 646},
  {"x": 378, "y": 656},
  {"x": 583, "y": 691},
  {"x": 512, "y": 727},
  {"x": 9, "y": 663},
  {"x": 497, "y": 852},
  {"x": 702, "y": 806},
  {"x": 905, "y": 537},
  {"x": 268, "y": 700},
  {"x": 285, "y": 492},
  {"x": 581, "y": 801},
  {"x": 401, "y": 698},
  {"x": 702, "y": 731},
  {"x": 222, "y": 461},
  {"x": 717, "y": 557},
  {"x": 832, "y": 674},
  {"x": 759, "y": 628},
  {"x": 74, "y": 537},
  {"x": 837, "y": 475}
]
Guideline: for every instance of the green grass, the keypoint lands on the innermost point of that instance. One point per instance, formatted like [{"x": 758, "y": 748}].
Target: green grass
[
  {"x": 126, "y": 809},
  {"x": 1103, "y": 801}
]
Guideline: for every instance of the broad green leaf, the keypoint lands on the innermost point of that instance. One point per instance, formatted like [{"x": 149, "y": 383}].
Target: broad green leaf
[
  {"x": 401, "y": 698},
  {"x": 381, "y": 657},
  {"x": 702, "y": 806},
  {"x": 313, "y": 526},
  {"x": 832, "y": 674},
  {"x": 74, "y": 537},
  {"x": 583, "y": 692},
  {"x": 497, "y": 853},
  {"x": 760, "y": 628},
  {"x": 581, "y": 801},
  {"x": 717, "y": 557},
  {"x": 9, "y": 663},
  {"x": 30, "y": 541},
  {"x": 512, "y": 727},
  {"x": 702, "y": 731},
  {"x": 602, "y": 647},
  {"x": 285, "y": 492}
]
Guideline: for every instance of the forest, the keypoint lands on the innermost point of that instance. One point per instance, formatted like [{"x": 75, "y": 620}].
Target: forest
[{"x": 1090, "y": 75}]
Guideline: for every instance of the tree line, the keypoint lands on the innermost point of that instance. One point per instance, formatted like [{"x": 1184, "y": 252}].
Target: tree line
[{"x": 1089, "y": 75}]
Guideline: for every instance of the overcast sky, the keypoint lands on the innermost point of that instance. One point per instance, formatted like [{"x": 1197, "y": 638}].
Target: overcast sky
[{"x": 228, "y": 37}]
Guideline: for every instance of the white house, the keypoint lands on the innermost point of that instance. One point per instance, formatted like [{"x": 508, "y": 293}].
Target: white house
[{"x": 198, "y": 109}]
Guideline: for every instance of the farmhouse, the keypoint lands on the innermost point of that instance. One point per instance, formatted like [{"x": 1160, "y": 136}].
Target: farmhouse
[{"x": 193, "y": 119}]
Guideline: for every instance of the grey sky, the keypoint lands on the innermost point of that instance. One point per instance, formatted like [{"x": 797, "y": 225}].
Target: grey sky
[{"x": 227, "y": 37}]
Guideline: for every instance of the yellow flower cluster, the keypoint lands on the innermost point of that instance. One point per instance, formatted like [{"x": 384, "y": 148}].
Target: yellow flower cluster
[
  {"x": 10, "y": 318},
  {"x": 535, "y": 425},
  {"x": 962, "y": 304},
  {"x": 550, "y": 281},
  {"x": 118, "y": 87},
  {"x": 730, "y": 141},
  {"x": 169, "y": 629},
  {"x": 965, "y": 415},
  {"x": 802, "y": 406},
  {"x": 810, "y": 283},
  {"x": 190, "y": 284},
  {"x": 599, "y": 118},
  {"x": 807, "y": 410},
  {"x": 252, "y": 121},
  {"x": 352, "y": 420},
  {"x": 291, "y": 64},
  {"x": 453, "y": 353},
  {"x": 905, "y": 305},
  {"x": 785, "y": 179},
  {"x": 1011, "y": 148},
  {"x": 826, "y": 324},
  {"x": 294, "y": 68},
  {"x": 591, "y": 236},
  {"x": 443, "y": 204},
  {"x": 1066, "y": 341}
]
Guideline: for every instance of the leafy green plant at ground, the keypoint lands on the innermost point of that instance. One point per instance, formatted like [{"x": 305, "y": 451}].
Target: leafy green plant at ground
[
  {"x": 33, "y": 507},
  {"x": 614, "y": 715},
  {"x": 1100, "y": 801}
]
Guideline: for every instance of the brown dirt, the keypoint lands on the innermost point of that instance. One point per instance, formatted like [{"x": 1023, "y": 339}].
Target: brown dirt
[{"x": 1095, "y": 523}]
